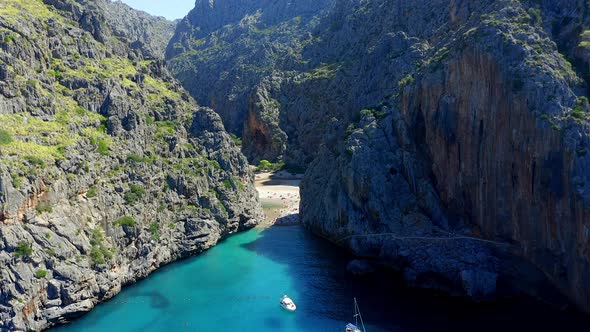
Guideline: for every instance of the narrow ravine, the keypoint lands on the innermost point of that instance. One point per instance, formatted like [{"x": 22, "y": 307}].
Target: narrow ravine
[{"x": 236, "y": 285}]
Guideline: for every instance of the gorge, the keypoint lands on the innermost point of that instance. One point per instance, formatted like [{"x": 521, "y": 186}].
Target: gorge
[{"x": 445, "y": 141}]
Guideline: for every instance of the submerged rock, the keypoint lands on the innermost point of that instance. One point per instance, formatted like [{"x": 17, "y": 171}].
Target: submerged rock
[
  {"x": 479, "y": 284},
  {"x": 360, "y": 267}
]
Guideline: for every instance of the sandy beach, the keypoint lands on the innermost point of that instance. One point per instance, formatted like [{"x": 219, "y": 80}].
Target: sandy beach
[{"x": 279, "y": 195}]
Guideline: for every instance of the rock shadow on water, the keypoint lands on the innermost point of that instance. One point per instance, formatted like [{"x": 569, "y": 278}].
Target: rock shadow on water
[
  {"x": 156, "y": 299},
  {"x": 273, "y": 323},
  {"x": 153, "y": 298},
  {"x": 318, "y": 269}
]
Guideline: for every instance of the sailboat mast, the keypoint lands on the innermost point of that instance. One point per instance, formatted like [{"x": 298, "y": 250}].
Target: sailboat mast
[{"x": 357, "y": 312}]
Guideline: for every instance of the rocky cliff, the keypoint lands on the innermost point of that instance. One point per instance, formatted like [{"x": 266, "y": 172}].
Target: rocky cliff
[
  {"x": 140, "y": 29},
  {"x": 477, "y": 158},
  {"x": 445, "y": 139},
  {"x": 223, "y": 49},
  {"x": 108, "y": 168}
]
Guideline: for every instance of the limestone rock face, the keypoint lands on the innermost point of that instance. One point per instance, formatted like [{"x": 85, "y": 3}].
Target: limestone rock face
[
  {"x": 108, "y": 168},
  {"x": 484, "y": 139},
  {"x": 222, "y": 49},
  {"x": 447, "y": 139},
  {"x": 142, "y": 30},
  {"x": 265, "y": 138}
]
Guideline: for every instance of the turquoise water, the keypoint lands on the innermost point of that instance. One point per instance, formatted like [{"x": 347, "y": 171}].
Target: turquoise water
[{"x": 236, "y": 286}]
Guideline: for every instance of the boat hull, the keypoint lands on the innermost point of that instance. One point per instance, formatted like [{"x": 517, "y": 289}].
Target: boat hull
[{"x": 289, "y": 308}]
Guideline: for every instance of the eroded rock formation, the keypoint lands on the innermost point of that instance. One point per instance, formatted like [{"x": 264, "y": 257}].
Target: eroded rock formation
[{"x": 108, "y": 169}]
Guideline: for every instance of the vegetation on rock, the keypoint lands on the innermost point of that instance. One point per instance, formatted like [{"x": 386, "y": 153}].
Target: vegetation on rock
[
  {"x": 267, "y": 166},
  {"x": 23, "y": 249},
  {"x": 125, "y": 221},
  {"x": 87, "y": 106},
  {"x": 39, "y": 274},
  {"x": 5, "y": 137},
  {"x": 134, "y": 194}
]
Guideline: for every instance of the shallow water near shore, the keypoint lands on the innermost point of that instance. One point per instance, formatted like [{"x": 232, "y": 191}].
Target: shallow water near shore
[{"x": 236, "y": 286}]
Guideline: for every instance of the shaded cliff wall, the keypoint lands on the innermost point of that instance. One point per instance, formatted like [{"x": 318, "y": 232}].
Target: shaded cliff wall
[
  {"x": 502, "y": 169},
  {"x": 492, "y": 117}
]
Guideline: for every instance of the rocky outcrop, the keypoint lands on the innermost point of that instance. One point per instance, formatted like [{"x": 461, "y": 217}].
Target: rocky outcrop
[
  {"x": 108, "y": 169},
  {"x": 141, "y": 30},
  {"x": 265, "y": 138}
]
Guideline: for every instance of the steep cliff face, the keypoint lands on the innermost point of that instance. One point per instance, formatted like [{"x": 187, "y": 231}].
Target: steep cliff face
[
  {"x": 485, "y": 138},
  {"x": 446, "y": 138},
  {"x": 223, "y": 49},
  {"x": 140, "y": 29},
  {"x": 108, "y": 169}
]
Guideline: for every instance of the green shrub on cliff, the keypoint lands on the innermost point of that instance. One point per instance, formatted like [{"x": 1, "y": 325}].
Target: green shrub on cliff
[
  {"x": 103, "y": 147},
  {"x": 581, "y": 108},
  {"x": 134, "y": 194},
  {"x": 23, "y": 249},
  {"x": 44, "y": 207},
  {"x": 125, "y": 221},
  {"x": 97, "y": 256},
  {"x": 407, "y": 80},
  {"x": 5, "y": 137},
  {"x": 9, "y": 39},
  {"x": 35, "y": 161},
  {"x": 99, "y": 252},
  {"x": 267, "y": 166},
  {"x": 535, "y": 15},
  {"x": 135, "y": 157},
  {"x": 236, "y": 139},
  {"x": 41, "y": 274},
  {"x": 96, "y": 236},
  {"x": 91, "y": 192},
  {"x": 155, "y": 231},
  {"x": 138, "y": 190},
  {"x": 51, "y": 252},
  {"x": 585, "y": 40},
  {"x": 228, "y": 184}
]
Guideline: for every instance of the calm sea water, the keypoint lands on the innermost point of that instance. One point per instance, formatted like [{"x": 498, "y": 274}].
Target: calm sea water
[{"x": 236, "y": 286}]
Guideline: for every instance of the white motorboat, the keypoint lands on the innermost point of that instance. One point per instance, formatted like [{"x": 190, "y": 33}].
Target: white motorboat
[
  {"x": 287, "y": 303},
  {"x": 357, "y": 317}
]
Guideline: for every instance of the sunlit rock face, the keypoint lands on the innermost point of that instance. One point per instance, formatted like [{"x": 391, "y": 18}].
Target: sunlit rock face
[{"x": 108, "y": 168}]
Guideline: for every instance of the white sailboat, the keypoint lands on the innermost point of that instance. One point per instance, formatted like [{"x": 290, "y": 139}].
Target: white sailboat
[{"x": 357, "y": 317}]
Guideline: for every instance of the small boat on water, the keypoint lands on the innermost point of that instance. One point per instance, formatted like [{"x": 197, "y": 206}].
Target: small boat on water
[
  {"x": 287, "y": 303},
  {"x": 352, "y": 328},
  {"x": 357, "y": 317}
]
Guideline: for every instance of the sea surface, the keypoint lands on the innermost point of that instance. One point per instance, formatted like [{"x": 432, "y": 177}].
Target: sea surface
[{"x": 236, "y": 286}]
